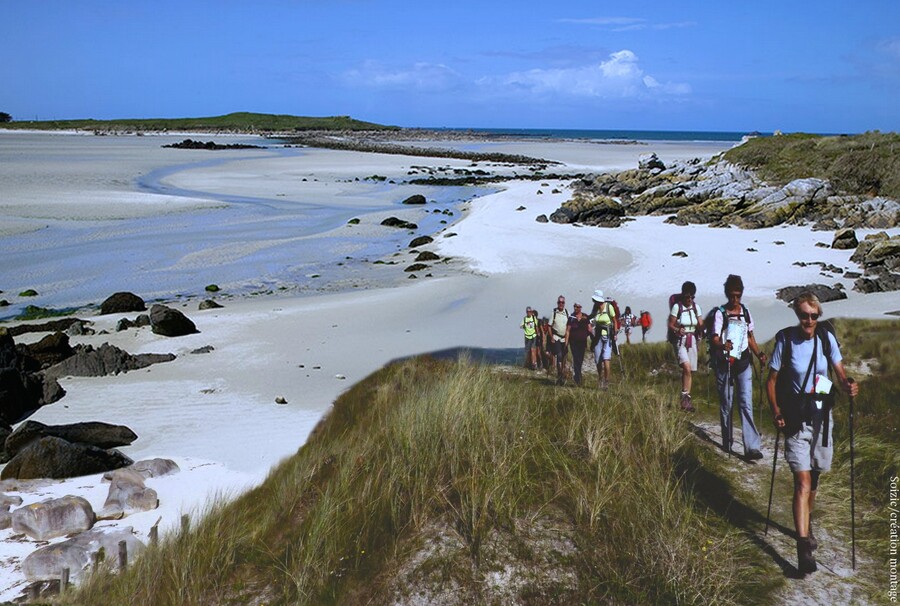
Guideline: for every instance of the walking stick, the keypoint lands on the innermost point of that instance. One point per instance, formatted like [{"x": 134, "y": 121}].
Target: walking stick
[
  {"x": 729, "y": 385},
  {"x": 772, "y": 484},
  {"x": 852, "y": 494}
]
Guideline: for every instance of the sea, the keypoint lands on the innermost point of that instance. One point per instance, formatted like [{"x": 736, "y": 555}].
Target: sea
[{"x": 612, "y": 135}]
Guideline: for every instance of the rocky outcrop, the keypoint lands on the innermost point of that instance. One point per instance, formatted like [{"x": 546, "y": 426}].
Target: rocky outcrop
[
  {"x": 879, "y": 256},
  {"x": 125, "y": 323},
  {"x": 50, "y": 350},
  {"x": 150, "y": 468},
  {"x": 52, "y": 457},
  {"x": 415, "y": 199},
  {"x": 77, "y": 554},
  {"x": 54, "y": 518},
  {"x": 601, "y": 211},
  {"x": 823, "y": 292},
  {"x": 22, "y": 391},
  {"x": 122, "y": 302},
  {"x": 170, "y": 322},
  {"x": 95, "y": 433},
  {"x": 66, "y": 325},
  {"x": 107, "y": 359},
  {"x": 719, "y": 193}
]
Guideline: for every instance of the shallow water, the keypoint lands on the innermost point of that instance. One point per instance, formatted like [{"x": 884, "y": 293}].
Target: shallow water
[{"x": 84, "y": 241}]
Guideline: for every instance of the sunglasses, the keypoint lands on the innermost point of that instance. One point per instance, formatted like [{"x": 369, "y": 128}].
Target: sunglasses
[{"x": 805, "y": 316}]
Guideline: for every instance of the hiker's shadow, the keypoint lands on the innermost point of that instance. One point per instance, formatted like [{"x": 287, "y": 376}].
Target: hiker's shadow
[{"x": 715, "y": 493}]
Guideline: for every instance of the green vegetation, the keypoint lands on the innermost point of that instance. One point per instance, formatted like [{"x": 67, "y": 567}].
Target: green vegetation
[
  {"x": 460, "y": 483},
  {"x": 28, "y": 293},
  {"x": 212, "y": 288},
  {"x": 858, "y": 164},
  {"x": 239, "y": 122}
]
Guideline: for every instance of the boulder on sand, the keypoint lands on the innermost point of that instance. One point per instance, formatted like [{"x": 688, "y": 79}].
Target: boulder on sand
[
  {"x": 823, "y": 292},
  {"x": 102, "y": 361},
  {"x": 77, "y": 553},
  {"x": 52, "y": 457},
  {"x": 54, "y": 518},
  {"x": 122, "y": 302},
  {"x": 95, "y": 433},
  {"x": 128, "y": 494},
  {"x": 170, "y": 322}
]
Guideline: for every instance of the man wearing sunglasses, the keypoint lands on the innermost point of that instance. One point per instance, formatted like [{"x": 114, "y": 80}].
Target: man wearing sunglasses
[{"x": 801, "y": 404}]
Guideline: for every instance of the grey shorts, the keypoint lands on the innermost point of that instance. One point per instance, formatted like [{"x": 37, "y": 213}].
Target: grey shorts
[
  {"x": 603, "y": 350},
  {"x": 804, "y": 451},
  {"x": 685, "y": 355},
  {"x": 531, "y": 343}
]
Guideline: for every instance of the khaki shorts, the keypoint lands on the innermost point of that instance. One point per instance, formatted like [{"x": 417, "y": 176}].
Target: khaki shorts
[
  {"x": 804, "y": 451},
  {"x": 683, "y": 354}
]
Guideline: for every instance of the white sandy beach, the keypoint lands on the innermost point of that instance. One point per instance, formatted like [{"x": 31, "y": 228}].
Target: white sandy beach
[{"x": 215, "y": 413}]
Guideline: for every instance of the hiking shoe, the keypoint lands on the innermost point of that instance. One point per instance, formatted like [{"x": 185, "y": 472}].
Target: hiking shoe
[
  {"x": 755, "y": 455},
  {"x": 686, "y": 404},
  {"x": 813, "y": 543},
  {"x": 806, "y": 562}
]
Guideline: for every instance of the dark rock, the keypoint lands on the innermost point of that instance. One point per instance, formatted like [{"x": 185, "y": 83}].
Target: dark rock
[
  {"x": 203, "y": 350},
  {"x": 399, "y": 223},
  {"x": 680, "y": 253},
  {"x": 211, "y": 145},
  {"x": 415, "y": 199},
  {"x": 52, "y": 457},
  {"x": 5, "y": 432},
  {"x": 95, "y": 433},
  {"x": 421, "y": 240},
  {"x": 209, "y": 304},
  {"x": 50, "y": 350},
  {"x": 823, "y": 292},
  {"x": 104, "y": 360},
  {"x": 852, "y": 275},
  {"x": 601, "y": 211},
  {"x": 416, "y": 267},
  {"x": 845, "y": 239},
  {"x": 122, "y": 302},
  {"x": 427, "y": 255},
  {"x": 123, "y": 324},
  {"x": 522, "y": 207},
  {"x": 170, "y": 322},
  {"x": 21, "y": 391},
  {"x": 142, "y": 320},
  {"x": 879, "y": 281},
  {"x": 542, "y": 219},
  {"x": 61, "y": 325}
]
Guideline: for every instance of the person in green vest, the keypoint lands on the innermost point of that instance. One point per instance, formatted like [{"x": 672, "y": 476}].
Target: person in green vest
[
  {"x": 530, "y": 326},
  {"x": 603, "y": 316}
]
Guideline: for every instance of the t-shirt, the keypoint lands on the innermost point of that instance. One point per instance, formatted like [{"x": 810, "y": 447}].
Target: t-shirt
[
  {"x": 628, "y": 320},
  {"x": 719, "y": 321},
  {"x": 558, "y": 324},
  {"x": 604, "y": 319},
  {"x": 530, "y": 326},
  {"x": 690, "y": 316},
  {"x": 579, "y": 330},
  {"x": 801, "y": 352}
]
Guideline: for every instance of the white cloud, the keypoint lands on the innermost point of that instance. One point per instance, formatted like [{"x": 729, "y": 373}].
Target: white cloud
[
  {"x": 620, "y": 76},
  {"x": 421, "y": 77},
  {"x": 627, "y": 24}
]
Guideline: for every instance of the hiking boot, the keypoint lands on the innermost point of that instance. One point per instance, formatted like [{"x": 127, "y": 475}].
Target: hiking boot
[
  {"x": 806, "y": 562},
  {"x": 686, "y": 404},
  {"x": 813, "y": 543},
  {"x": 755, "y": 455}
]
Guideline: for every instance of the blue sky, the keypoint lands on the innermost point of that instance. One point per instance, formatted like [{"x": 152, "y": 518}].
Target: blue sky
[{"x": 825, "y": 66}]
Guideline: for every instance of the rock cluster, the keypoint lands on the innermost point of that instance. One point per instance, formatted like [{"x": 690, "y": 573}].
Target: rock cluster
[
  {"x": 721, "y": 193},
  {"x": 74, "y": 517},
  {"x": 879, "y": 256},
  {"x": 23, "y": 387}
]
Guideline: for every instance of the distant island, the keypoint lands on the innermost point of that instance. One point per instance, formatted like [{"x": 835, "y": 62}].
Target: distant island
[{"x": 238, "y": 122}]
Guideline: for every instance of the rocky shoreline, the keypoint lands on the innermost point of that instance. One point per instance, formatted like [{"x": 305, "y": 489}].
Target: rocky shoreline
[{"x": 721, "y": 194}]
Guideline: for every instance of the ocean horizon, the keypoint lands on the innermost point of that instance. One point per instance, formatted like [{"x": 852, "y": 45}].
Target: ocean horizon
[{"x": 612, "y": 134}]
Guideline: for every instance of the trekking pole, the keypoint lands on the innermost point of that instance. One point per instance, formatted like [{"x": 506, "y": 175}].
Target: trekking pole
[
  {"x": 772, "y": 484},
  {"x": 852, "y": 494},
  {"x": 729, "y": 386}
]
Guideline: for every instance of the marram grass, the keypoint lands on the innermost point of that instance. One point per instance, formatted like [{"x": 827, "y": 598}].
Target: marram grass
[{"x": 484, "y": 458}]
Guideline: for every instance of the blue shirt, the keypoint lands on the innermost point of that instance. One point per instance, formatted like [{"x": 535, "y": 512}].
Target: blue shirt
[{"x": 801, "y": 352}]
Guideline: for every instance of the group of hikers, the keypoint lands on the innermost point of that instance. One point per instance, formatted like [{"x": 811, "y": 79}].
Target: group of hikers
[
  {"x": 549, "y": 339},
  {"x": 800, "y": 393}
]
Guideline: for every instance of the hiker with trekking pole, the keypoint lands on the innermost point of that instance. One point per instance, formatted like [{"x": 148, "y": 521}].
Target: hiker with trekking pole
[
  {"x": 801, "y": 397},
  {"x": 605, "y": 318},
  {"x": 730, "y": 330}
]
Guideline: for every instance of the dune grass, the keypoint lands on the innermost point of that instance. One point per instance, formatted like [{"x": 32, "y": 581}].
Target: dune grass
[
  {"x": 859, "y": 164},
  {"x": 457, "y": 483}
]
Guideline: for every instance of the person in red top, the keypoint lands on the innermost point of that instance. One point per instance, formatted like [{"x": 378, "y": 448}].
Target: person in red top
[{"x": 646, "y": 322}]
